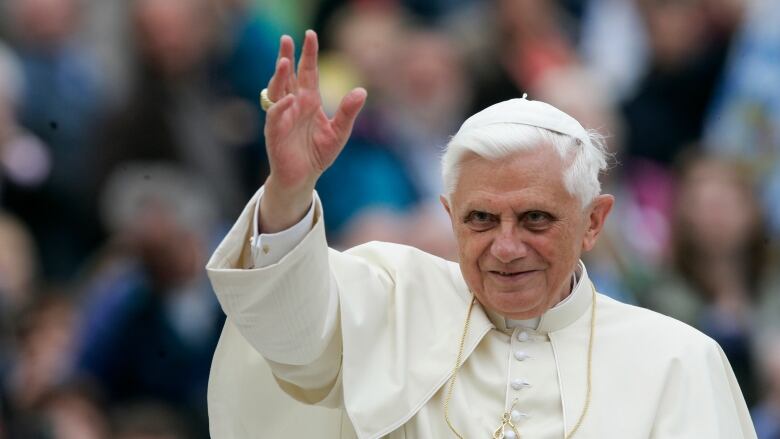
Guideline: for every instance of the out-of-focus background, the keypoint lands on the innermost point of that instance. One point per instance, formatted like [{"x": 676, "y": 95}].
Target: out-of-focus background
[{"x": 131, "y": 137}]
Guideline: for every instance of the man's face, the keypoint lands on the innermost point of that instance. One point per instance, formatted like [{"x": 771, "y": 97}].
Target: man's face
[{"x": 519, "y": 232}]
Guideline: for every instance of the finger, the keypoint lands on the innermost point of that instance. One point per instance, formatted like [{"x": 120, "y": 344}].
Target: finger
[
  {"x": 307, "y": 67},
  {"x": 287, "y": 50},
  {"x": 281, "y": 83},
  {"x": 278, "y": 85},
  {"x": 347, "y": 112},
  {"x": 276, "y": 115},
  {"x": 281, "y": 106}
]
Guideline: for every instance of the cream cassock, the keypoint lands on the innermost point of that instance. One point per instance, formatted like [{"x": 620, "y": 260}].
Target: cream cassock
[{"x": 365, "y": 341}]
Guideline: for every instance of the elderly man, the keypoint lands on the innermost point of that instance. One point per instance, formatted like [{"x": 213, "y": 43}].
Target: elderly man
[{"x": 514, "y": 341}]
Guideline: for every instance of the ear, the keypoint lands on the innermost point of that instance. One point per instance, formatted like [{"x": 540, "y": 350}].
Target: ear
[
  {"x": 446, "y": 205},
  {"x": 599, "y": 210}
]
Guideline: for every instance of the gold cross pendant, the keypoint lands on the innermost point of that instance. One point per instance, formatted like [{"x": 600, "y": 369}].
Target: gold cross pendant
[{"x": 506, "y": 421}]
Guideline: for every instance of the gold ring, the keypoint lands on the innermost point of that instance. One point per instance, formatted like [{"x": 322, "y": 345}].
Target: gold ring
[{"x": 265, "y": 102}]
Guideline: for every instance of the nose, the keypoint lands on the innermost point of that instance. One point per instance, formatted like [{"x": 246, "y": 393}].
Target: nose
[{"x": 508, "y": 246}]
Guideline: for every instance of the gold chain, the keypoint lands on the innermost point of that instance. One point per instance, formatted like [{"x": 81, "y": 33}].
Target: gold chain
[
  {"x": 458, "y": 364},
  {"x": 590, "y": 364}
]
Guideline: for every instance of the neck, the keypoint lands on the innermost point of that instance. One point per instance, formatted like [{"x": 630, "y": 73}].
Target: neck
[
  {"x": 566, "y": 291},
  {"x": 569, "y": 288}
]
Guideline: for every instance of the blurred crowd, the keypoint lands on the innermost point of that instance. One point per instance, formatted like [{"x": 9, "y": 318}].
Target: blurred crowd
[{"x": 131, "y": 137}]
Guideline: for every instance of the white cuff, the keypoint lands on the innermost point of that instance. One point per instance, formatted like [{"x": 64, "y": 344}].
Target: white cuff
[{"x": 270, "y": 248}]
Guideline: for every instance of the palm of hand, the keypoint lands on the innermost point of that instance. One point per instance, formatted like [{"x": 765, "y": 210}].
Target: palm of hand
[{"x": 301, "y": 140}]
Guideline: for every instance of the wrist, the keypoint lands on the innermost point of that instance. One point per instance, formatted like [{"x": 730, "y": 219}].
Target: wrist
[{"x": 282, "y": 208}]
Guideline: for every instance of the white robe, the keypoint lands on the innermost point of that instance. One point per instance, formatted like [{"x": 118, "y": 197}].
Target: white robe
[{"x": 381, "y": 353}]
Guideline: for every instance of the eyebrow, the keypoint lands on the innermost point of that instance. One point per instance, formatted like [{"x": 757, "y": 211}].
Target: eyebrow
[{"x": 538, "y": 205}]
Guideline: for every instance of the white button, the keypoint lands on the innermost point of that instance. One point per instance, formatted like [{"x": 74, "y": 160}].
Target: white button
[
  {"x": 518, "y": 383},
  {"x": 509, "y": 434},
  {"x": 521, "y": 356},
  {"x": 523, "y": 336},
  {"x": 517, "y": 416}
]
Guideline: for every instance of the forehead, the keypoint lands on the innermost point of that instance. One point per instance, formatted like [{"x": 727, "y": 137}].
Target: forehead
[{"x": 527, "y": 176}]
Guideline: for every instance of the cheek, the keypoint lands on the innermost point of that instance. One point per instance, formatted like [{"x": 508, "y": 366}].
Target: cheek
[
  {"x": 546, "y": 246},
  {"x": 471, "y": 248},
  {"x": 557, "y": 247}
]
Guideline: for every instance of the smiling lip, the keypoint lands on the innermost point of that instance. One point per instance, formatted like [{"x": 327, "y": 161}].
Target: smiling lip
[{"x": 511, "y": 276}]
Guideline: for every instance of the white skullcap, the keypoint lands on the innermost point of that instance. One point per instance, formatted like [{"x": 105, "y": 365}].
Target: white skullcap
[{"x": 525, "y": 112}]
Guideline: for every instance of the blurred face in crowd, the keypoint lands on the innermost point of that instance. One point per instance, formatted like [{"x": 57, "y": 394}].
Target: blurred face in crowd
[
  {"x": 45, "y": 21},
  {"x": 676, "y": 29},
  {"x": 368, "y": 39},
  {"x": 716, "y": 210},
  {"x": 527, "y": 17},
  {"x": 171, "y": 252},
  {"x": 520, "y": 233},
  {"x": 173, "y": 33},
  {"x": 429, "y": 81},
  {"x": 71, "y": 415}
]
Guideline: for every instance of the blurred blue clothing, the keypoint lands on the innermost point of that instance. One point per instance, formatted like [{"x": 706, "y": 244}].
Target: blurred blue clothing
[
  {"x": 767, "y": 421},
  {"x": 744, "y": 118},
  {"x": 367, "y": 174},
  {"x": 748, "y": 101},
  {"x": 134, "y": 344},
  {"x": 247, "y": 63},
  {"x": 241, "y": 69},
  {"x": 609, "y": 283},
  {"x": 61, "y": 105}
]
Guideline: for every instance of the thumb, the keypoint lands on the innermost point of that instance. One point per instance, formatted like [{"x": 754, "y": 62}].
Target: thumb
[{"x": 347, "y": 112}]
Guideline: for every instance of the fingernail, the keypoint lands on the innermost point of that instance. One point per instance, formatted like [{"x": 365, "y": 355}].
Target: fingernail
[{"x": 360, "y": 91}]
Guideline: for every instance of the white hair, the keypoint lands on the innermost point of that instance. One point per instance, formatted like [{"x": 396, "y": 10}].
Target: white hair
[
  {"x": 497, "y": 141},
  {"x": 133, "y": 187}
]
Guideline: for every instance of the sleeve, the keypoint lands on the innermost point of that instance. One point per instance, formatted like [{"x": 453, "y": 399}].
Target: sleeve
[
  {"x": 269, "y": 248},
  {"x": 701, "y": 398},
  {"x": 284, "y": 303}
]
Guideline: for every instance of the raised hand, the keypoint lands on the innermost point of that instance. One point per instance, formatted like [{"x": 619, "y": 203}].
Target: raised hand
[{"x": 301, "y": 141}]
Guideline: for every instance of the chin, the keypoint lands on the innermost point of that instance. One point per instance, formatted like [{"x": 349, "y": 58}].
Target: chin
[{"x": 516, "y": 304}]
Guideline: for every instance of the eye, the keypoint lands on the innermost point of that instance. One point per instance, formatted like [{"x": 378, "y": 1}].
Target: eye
[
  {"x": 536, "y": 220},
  {"x": 480, "y": 221}
]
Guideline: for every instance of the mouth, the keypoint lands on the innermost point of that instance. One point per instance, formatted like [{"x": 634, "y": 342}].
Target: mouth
[{"x": 511, "y": 274}]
